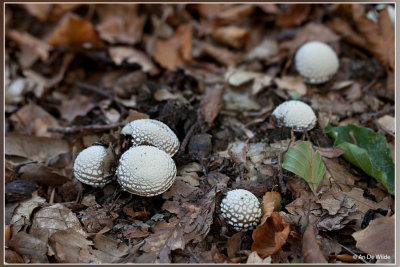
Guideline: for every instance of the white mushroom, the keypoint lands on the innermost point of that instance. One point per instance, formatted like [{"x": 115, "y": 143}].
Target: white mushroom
[
  {"x": 152, "y": 132},
  {"x": 295, "y": 114},
  {"x": 241, "y": 209},
  {"x": 90, "y": 166},
  {"x": 317, "y": 62},
  {"x": 146, "y": 171}
]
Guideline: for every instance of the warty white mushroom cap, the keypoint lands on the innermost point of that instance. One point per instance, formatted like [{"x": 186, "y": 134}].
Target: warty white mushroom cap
[
  {"x": 241, "y": 209},
  {"x": 316, "y": 61},
  {"x": 146, "y": 171},
  {"x": 90, "y": 167},
  {"x": 152, "y": 132},
  {"x": 295, "y": 114}
]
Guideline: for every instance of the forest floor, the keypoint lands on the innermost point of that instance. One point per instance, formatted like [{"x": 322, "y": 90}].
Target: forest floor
[{"x": 75, "y": 74}]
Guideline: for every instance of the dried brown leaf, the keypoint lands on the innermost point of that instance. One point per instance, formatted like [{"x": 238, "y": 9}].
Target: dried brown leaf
[
  {"x": 270, "y": 236},
  {"x": 378, "y": 237},
  {"x": 109, "y": 250},
  {"x": 296, "y": 15},
  {"x": 130, "y": 55},
  {"x": 221, "y": 55},
  {"x": 40, "y": 11},
  {"x": 176, "y": 51},
  {"x": 211, "y": 104},
  {"x": 330, "y": 152},
  {"x": 293, "y": 84},
  {"x": 311, "y": 250},
  {"x": 75, "y": 32},
  {"x": 234, "y": 14},
  {"x": 79, "y": 105},
  {"x": 120, "y": 23},
  {"x": 234, "y": 244},
  {"x": 364, "y": 204},
  {"x": 24, "y": 243},
  {"x": 11, "y": 256},
  {"x": 33, "y": 120},
  {"x": 39, "y": 149},
  {"x": 271, "y": 202},
  {"x": 232, "y": 36},
  {"x": 35, "y": 45}
]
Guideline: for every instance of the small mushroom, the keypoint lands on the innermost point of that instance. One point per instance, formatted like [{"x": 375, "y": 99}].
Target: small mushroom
[
  {"x": 241, "y": 209},
  {"x": 295, "y": 114},
  {"x": 152, "y": 132},
  {"x": 90, "y": 166},
  {"x": 146, "y": 171},
  {"x": 317, "y": 62}
]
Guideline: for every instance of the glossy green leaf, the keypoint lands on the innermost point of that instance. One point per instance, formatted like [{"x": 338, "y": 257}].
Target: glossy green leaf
[
  {"x": 306, "y": 163},
  {"x": 367, "y": 150}
]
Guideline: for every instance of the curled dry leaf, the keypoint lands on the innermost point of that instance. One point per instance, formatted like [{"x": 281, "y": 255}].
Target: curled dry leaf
[
  {"x": 75, "y": 32},
  {"x": 176, "y": 51},
  {"x": 271, "y": 202},
  {"x": 270, "y": 236},
  {"x": 293, "y": 84}
]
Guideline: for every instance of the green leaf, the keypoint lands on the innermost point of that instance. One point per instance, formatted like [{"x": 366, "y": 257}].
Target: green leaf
[
  {"x": 306, "y": 163},
  {"x": 367, "y": 150}
]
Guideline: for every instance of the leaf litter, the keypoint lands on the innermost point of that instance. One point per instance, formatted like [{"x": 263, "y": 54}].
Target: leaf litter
[{"x": 76, "y": 73}]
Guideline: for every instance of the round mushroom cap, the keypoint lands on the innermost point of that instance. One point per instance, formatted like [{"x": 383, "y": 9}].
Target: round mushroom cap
[
  {"x": 146, "y": 171},
  {"x": 295, "y": 114},
  {"x": 152, "y": 132},
  {"x": 317, "y": 62},
  {"x": 241, "y": 209},
  {"x": 90, "y": 167}
]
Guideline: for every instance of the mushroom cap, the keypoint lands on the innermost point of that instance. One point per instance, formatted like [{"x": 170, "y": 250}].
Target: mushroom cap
[
  {"x": 317, "y": 62},
  {"x": 295, "y": 114},
  {"x": 146, "y": 171},
  {"x": 90, "y": 167},
  {"x": 241, "y": 209},
  {"x": 152, "y": 132}
]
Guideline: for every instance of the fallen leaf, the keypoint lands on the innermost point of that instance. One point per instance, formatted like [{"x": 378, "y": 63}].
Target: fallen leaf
[
  {"x": 330, "y": 152},
  {"x": 293, "y": 84},
  {"x": 232, "y": 36},
  {"x": 23, "y": 243},
  {"x": 17, "y": 190},
  {"x": 271, "y": 202},
  {"x": 332, "y": 200},
  {"x": 120, "y": 23},
  {"x": 108, "y": 250},
  {"x": 266, "y": 50},
  {"x": 23, "y": 212},
  {"x": 33, "y": 120},
  {"x": 387, "y": 123},
  {"x": 176, "y": 51},
  {"x": 35, "y": 45},
  {"x": 364, "y": 204},
  {"x": 220, "y": 54},
  {"x": 378, "y": 237},
  {"x": 255, "y": 259},
  {"x": 239, "y": 77},
  {"x": 40, "y": 11},
  {"x": 79, "y": 105},
  {"x": 311, "y": 250},
  {"x": 11, "y": 256},
  {"x": 71, "y": 246},
  {"x": 39, "y": 149},
  {"x": 234, "y": 243},
  {"x": 234, "y": 14},
  {"x": 120, "y": 54},
  {"x": 75, "y": 32},
  {"x": 164, "y": 94},
  {"x": 211, "y": 104},
  {"x": 296, "y": 15},
  {"x": 270, "y": 236}
]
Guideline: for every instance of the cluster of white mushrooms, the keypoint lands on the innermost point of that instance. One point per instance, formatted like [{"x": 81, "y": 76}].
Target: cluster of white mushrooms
[{"x": 145, "y": 169}]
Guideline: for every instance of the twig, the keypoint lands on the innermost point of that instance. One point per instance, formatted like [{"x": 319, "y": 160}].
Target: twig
[
  {"x": 353, "y": 138},
  {"x": 93, "y": 89},
  {"x": 187, "y": 138},
  {"x": 77, "y": 129},
  {"x": 373, "y": 115}
]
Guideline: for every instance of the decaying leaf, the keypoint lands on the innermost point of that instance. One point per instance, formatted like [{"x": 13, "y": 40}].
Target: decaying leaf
[
  {"x": 378, "y": 237},
  {"x": 80, "y": 105},
  {"x": 211, "y": 104},
  {"x": 176, "y": 51},
  {"x": 311, "y": 250},
  {"x": 75, "y": 32},
  {"x": 271, "y": 202},
  {"x": 120, "y": 23},
  {"x": 39, "y": 149},
  {"x": 270, "y": 236},
  {"x": 233, "y": 36},
  {"x": 364, "y": 204},
  {"x": 293, "y": 84}
]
